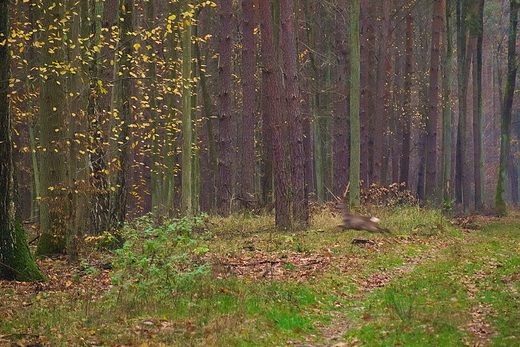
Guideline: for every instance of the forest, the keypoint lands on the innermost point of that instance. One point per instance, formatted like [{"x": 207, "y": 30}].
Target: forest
[
  {"x": 171, "y": 170},
  {"x": 121, "y": 108},
  {"x": 176, "y": 108}
]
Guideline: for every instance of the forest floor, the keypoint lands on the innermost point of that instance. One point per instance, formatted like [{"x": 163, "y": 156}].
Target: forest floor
[{"x": 238, "y": 282}]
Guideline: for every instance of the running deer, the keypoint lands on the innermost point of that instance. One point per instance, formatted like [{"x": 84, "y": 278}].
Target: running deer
[{"x": 350, "y": 221}]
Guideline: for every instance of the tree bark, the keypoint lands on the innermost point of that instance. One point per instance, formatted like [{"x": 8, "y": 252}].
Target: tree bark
[
  {"x": 433, "y": 99},
  {"x": 447, "y": 125},
  {"x": 225, "y": 145},
  {"x": 247, "y": 148},
  {"x": 355, "y": 130},
  {"x": 271, "y": 74},
  {"x": 478, "y": 151},
  {"x": 54, "y": 208},
  {"x": 340, "y": 129},
  {"x": 299, "y": 197},
  {"x": 507, "y": 105},
  {"x": 407, "y": 102},
  {"x": 122, "y": 114},
  {"x": 16, "y": 262},
  {"x": 187, "y": 131},
  {"x": 462, "y": 184}
]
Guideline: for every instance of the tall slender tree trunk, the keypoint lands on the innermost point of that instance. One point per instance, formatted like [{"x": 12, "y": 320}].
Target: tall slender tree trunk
[
  {"x": 340, "y": 148},
  {"x": 355, "y": 129},
  {"x": 383, "y": 89},
  {"x": 247, "y": 147},
  {"x": 157, "y": 167},
  {"x": 433, "y": 98},
  {"x": 54, "y": 208},
  {"x": 271, "y": 74},
  {"x": 225, "y": 145},
  {"x": 447, "y": 125},
  {"x": 407, "y": 103},
  {"x": 31, "y": 55},
  {"x": 507, "y": 105},
  {"x": 122, "y": 115},
  {"x": 92, "y": 11},
  {"x": 187, "y": 131},
  {"x": 299, "y": 197},
  {"x": 380, "y": 107},
  {"x": 367, "y": 111},
  {"x": 462, "y": 184},
  {"x": 478, "y": 151},
  {"x": 170, "y": 148},
  {"x": 16, "y": 262},
  {"x": 78, "y": 160},
  {"x": 209, "y": 172}
]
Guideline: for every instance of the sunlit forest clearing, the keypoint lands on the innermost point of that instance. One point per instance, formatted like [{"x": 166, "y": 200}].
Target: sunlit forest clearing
[{"x": 259, "y": 173}]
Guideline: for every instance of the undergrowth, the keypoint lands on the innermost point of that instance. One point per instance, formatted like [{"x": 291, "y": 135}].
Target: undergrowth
[{"x": 238, "y": 282}]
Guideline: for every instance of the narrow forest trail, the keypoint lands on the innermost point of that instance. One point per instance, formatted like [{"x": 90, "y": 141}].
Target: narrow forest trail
[{"x": 479, "y": 325}]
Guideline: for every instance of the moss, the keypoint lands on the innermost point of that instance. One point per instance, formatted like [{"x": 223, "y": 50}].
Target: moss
[
  {"x": 18, "y": 263},
  {"x": 50, "y": 245}
]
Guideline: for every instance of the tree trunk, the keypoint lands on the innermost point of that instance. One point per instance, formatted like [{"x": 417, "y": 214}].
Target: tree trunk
[
  {"x": 77, "y": 84},
  {"x": 355, "y": 130},
  {"x": 209, "y": 171},
  {"x": 100, "y": 198},
  {"x": 299, "y": 197},
  {"x": 225, "y": 145},
  {"x": 16, "y": 262},
  {"x": 187, "y": 131},
  {"x": 507, "y": 105},
  {"x": 271, "y": 74},
  {"x": 170, "y": 148},
  {"x": 407, "y": 103},
  {"x": 247, "y": 148},
  {"x": 446, "y": 115},
  {"x": 54, "y": 206},
  {"x": 478, "y": 151},
  {"x": 462, "y": 184},
  {"x": 159, "y": 205},
  {"x": 340, "y": 130},
  {"x": 383, "y": 90},
  {"x": 433, "y": 99},
  {"x": 122, "y": 114}
]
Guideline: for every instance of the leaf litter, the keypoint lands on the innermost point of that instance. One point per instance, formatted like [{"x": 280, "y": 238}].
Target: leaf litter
[{"x": 92, "y": 280}]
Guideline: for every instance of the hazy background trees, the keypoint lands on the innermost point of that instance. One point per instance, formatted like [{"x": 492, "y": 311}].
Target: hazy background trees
[{"x": 177, "y": 107}]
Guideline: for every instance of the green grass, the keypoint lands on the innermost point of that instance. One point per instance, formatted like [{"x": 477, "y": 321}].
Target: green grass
[{"x": 429, "y": 284}]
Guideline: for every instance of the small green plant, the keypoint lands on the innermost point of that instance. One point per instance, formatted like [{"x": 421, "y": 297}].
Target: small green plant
[
  {"x": 157, "y": 260},
  {"x": 401, "y": 305}
]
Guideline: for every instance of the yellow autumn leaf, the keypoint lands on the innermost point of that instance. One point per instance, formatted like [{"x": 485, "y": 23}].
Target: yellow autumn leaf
[{"x": 101, "y": 88}]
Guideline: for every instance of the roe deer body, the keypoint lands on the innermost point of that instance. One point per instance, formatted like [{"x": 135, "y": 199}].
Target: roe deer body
[{"x": 350, "y": 221}]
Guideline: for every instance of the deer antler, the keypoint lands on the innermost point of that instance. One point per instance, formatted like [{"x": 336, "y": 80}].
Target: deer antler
[{"x": 346, "y": 191}]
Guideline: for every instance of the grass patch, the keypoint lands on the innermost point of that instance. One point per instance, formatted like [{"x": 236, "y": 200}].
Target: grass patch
[{"x": 238, "y": 282}]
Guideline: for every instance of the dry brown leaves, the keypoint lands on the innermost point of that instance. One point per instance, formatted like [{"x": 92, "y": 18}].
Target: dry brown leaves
[
  {"x": 259, "y": 264},
  {"x": 62, "y": 279}
]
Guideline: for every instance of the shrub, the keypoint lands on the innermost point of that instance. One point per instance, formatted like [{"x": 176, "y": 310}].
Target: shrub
[{"x": 157, "y": 261}]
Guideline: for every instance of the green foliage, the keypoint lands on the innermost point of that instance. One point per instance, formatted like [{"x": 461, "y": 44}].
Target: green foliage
[
  {"x": 425, "y": 290},
  {"x": 157, "y": 261},
  {"x": 412, "y": 220},
  {"x": 402, "y": 305}
]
